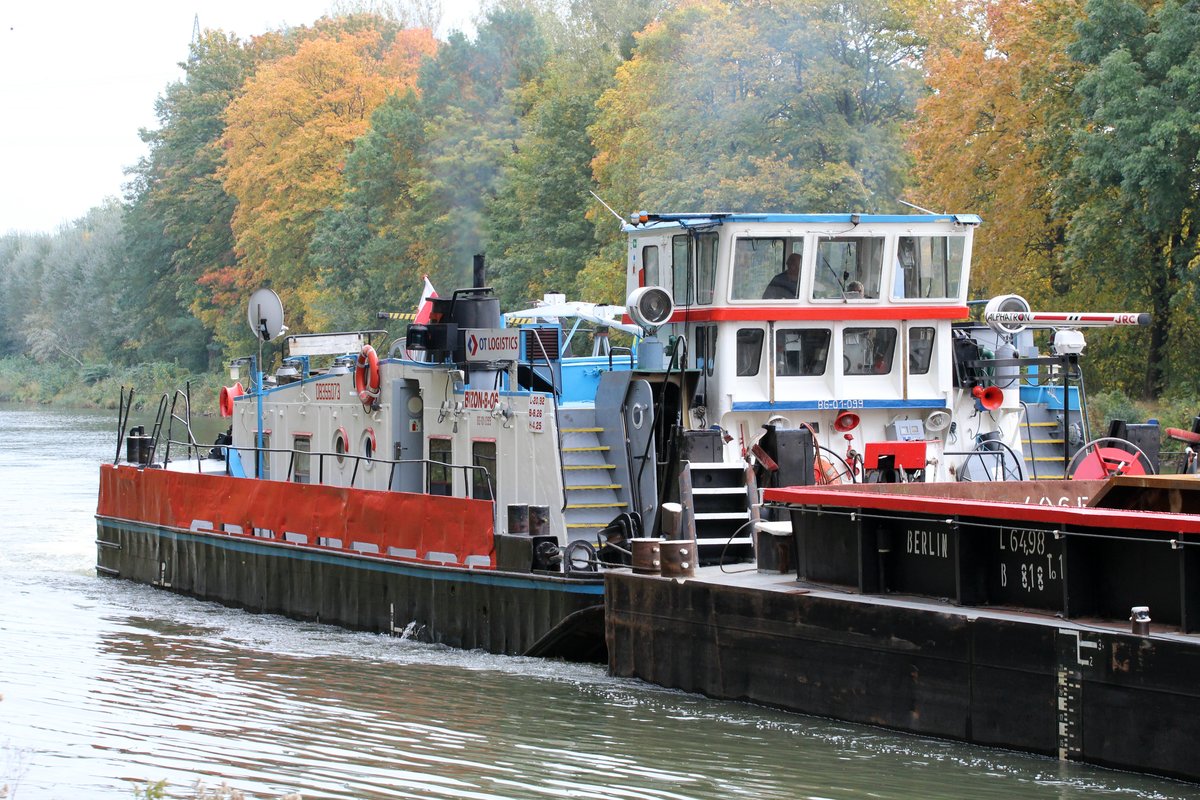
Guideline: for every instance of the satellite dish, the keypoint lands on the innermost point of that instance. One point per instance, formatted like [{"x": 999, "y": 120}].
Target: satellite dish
[
  {"x": 265, "y": 314},
  {"x": 650, "y": 307},
  {"x": 1006, "y": 314}
]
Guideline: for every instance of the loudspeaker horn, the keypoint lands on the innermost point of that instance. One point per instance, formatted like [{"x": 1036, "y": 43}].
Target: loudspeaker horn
[
  {"x": 846, "y": 421},
  {"x": 988, "y": 399}
]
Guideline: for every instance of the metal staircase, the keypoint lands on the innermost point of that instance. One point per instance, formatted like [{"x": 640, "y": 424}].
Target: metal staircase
[
  {"x": 1042, "y": 434},
  {"x": 720, "y": 506},
  {"x": 593, "y": 475}
]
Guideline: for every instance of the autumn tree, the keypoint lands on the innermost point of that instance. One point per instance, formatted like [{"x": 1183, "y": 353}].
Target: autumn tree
[
  {"x": 994, "y": 134},
  {"x": 288, "y": 137}
]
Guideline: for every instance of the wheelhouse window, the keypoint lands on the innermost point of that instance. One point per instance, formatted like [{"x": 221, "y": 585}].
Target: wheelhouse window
[
  {"x": 760, "y": 268},
  {"x": 801, "y": 352},
  {"x": 848, "y": 268},
  {"x": 680, "y": 271},
  {"x": 868, "y": 351},
  {"x": 441, "y": 456},
  {"x": 302, "y": 459},
  {"x": 706, "y": 268},
  {"x": 650, "y": 276},
  {"x": 929, "y": 267},
  {"x": 920, "y": 350},
  {"x": 698, "y": 289},
  {"x": 749, "y": 351},
  {"x": 483, "y": 454}
]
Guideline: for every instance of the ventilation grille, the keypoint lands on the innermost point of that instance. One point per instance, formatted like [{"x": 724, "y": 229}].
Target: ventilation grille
[{"x": 548, "y": 347}]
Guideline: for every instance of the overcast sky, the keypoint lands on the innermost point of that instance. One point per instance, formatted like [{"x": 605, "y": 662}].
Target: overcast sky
[{"x": 78, "y": 79}]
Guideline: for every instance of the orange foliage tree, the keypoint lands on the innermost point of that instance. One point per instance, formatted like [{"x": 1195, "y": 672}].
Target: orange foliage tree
[
  {"x": 994, "y": 135},
  {"x": 287, "y": 138}
]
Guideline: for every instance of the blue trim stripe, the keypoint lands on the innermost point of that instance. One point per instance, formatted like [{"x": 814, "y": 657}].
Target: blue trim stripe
[
  {"x": 506, "y": 580},
  {"x": 835, "y": 405},
  {"x": 671, "y": 220}
]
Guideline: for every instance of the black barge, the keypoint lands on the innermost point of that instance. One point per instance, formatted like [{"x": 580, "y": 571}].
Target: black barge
[{"x": 998, "y": 623}]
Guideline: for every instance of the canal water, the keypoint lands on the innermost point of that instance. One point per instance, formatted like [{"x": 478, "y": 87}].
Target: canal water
[{"x": 108, "y": 687}]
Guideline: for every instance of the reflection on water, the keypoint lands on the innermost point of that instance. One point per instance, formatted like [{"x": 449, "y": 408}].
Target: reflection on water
[{"x": 107, "y": 685}]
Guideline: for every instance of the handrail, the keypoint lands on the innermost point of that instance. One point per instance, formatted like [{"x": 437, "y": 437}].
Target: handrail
[
  {"x": 668, "y": 440},
  {"x": 990, "y": 451},
  {"x": 623, "y": 351},
  {"x": 124, "y": 409},
  {"x": 393, "y": 463},
  {"x": 158, "y": 421},
  {"x": 1029, "y": 436},
  {"x": 186, "y": 420},
  {"x": 554, "y": 395}
]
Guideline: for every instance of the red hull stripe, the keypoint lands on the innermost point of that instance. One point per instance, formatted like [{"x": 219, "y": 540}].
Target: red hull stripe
[
  {"x": 1002, "y": 513},
  {"x": 413, "y": 523},
  {"x": 833, "y": 313}
]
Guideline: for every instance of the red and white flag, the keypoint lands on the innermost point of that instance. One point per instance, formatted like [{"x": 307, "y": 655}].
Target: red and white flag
[{"x": 425, "y": 307}]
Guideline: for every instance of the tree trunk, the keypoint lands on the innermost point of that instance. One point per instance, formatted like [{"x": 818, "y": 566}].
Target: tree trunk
[{"x": 1160, "y": 324}]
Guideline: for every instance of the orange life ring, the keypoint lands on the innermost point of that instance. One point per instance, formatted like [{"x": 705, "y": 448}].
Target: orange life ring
[
  {"x": 225, "y": 401},
  {"x": 366, "y": 377}
]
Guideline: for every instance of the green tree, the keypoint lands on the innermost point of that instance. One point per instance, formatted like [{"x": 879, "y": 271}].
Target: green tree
[
  {"x": 540, "y": 233},
  {"x": 1132, "y": 189},
  {"x": 780, "y": 106},
  {"x": 179, "y": 211},
  {"x": 370, "y": 261},
  {"x": 472, "y": 105}
]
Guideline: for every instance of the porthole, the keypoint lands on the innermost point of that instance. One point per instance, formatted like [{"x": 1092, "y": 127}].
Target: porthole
[
  {"x": 341, "y": 445},
  {"x": 366, "y": 447}
]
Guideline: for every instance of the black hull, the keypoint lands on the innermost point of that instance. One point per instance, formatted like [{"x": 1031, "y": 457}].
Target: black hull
[
  {"x": 500, "y": 612},
  {"x": 1034, "y": 684}
]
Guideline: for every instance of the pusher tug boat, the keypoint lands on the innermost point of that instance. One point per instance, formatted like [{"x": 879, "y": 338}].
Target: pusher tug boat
[
  {"x": 476, "y": 484},
  {"x": 470, "y": 484}
]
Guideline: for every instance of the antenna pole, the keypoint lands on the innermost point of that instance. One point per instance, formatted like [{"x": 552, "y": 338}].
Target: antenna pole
[
  {"x": 259, "y": 396},
  {"x": 606, "y": 205},
  {"x": 917, "y": 207}
]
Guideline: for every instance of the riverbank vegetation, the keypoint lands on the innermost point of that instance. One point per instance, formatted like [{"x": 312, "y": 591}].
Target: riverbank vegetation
[
  {"x": 341, "y": 161},
  {"x": 99, "y": 385}
]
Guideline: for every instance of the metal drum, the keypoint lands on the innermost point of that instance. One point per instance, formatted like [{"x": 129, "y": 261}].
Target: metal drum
[
  {"x": 518, "y": 519},
  {"x": 539, "y": 520},
  {"x": 678, "y": 558},
  {"x": 647, "y": 559}
]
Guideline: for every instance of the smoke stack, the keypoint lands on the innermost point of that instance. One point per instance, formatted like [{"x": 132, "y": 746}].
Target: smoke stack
[{"x": 478, "y": 276}]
